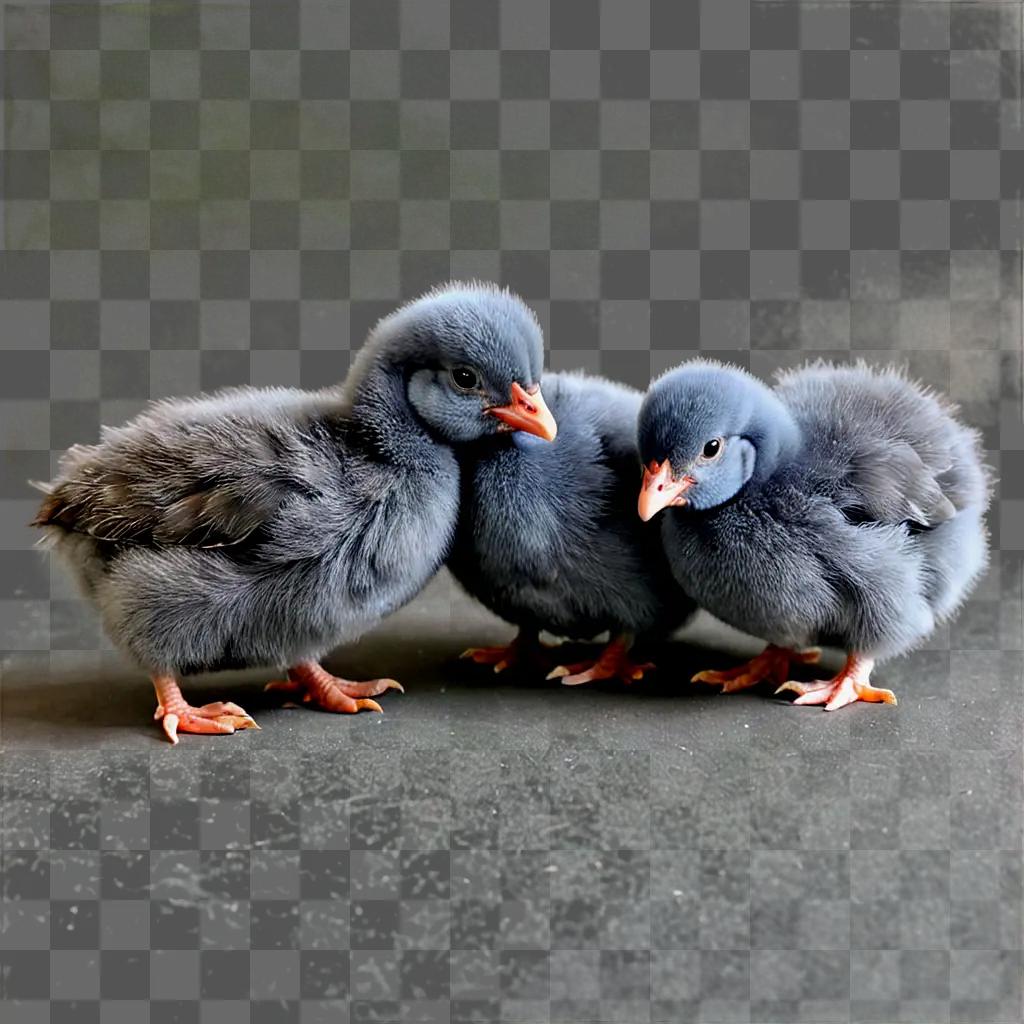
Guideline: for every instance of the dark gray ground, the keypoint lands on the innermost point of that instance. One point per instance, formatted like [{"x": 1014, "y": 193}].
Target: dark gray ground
[{"x": 521, "y": 851}]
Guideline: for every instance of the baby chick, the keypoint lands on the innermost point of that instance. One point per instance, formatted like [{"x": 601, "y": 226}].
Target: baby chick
[
  {"x": 265, "y": 526},
  {"x": 548, "y": 540},
  {"x": 843, "y": 507}
]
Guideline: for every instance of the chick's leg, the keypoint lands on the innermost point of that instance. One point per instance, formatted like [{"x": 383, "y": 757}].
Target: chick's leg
[
  {"x": 771, "y": 664},
  {"x": 526, "y": 647},
  {"x": 329, "y": 693},
  {"x": 612, "y": 663},
  {"x": 849, "y": 685},
  {"x": 177, "y": 715}
]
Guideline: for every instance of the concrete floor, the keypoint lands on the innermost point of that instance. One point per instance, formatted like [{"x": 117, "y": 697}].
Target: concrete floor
[
  {"x": 107, "y": 704},
  {"x": 653, "y": 852}
]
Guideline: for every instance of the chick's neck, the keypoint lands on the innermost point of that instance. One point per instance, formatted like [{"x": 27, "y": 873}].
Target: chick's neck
[
  {"x": 774, "y": 434},
  {"x": 385, "y": 422}
]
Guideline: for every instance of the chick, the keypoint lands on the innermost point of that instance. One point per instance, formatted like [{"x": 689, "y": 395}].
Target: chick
[
  {"x": 843, "y": 507},
  {"x": 264, "y": 526},
  {"x": 548, "y": 539}
]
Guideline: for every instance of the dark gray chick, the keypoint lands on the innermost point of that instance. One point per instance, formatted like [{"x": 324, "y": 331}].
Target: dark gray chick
[
  {"x": 843, "y": 507},
  {"x": 265, "y": 526},
  {"x": 548, "y": 538}
]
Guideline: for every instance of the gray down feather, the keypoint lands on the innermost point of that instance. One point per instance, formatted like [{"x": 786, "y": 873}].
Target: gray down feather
[
  {"x": 859, "y": 522},
  {"x": 265, "y": 526},
  {"x": 548, "y": 534}
]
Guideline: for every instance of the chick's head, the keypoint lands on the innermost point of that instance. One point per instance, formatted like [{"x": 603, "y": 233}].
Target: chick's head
[
  {"x": 704, "y": 431},
  {"x": 474, "y": 357}
]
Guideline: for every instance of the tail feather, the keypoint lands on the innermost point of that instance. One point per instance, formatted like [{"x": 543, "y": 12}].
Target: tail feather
[{"x": 51, "y": 507}]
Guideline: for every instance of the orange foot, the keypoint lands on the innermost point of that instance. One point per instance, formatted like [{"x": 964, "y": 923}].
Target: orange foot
[
  {"x": 177, "y": 715},
  {"x": 329, "y": 693},
  {"x": 849, "y": 686},
  {"x": 772, "y": 664},
  {"x": 612, "y": 663},
  {"x": 526, "y": 647}
]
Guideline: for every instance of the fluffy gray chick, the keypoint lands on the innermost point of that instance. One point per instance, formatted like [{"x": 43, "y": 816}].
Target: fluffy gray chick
[
  {"x": 265, "y": 526},
  {"x": 548, "y": 537},
  {"x": 843, "y": 507}
]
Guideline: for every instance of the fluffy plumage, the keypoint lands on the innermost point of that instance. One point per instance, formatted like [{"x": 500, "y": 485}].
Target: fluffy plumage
[
  {"x": 265, "y": 526},
  {"x": 845, "y": 507},
  {"x": 547, "y": 535}
]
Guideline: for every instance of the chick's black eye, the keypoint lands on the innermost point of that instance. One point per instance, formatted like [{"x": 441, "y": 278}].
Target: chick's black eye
[
  {"x": 712, "y": 448},
  {"x": 464, "y": 378}
]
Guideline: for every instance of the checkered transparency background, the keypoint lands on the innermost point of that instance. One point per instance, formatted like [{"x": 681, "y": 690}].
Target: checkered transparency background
[{"x": 198, "y": 195}]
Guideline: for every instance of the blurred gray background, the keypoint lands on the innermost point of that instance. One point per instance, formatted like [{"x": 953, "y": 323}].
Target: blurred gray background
[{"x": 202, "y": 194}]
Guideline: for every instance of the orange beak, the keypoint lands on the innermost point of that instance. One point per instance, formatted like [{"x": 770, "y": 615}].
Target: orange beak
[
  {"x": 527, "y": 411},
  {"x": 659, "y": 490}
]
